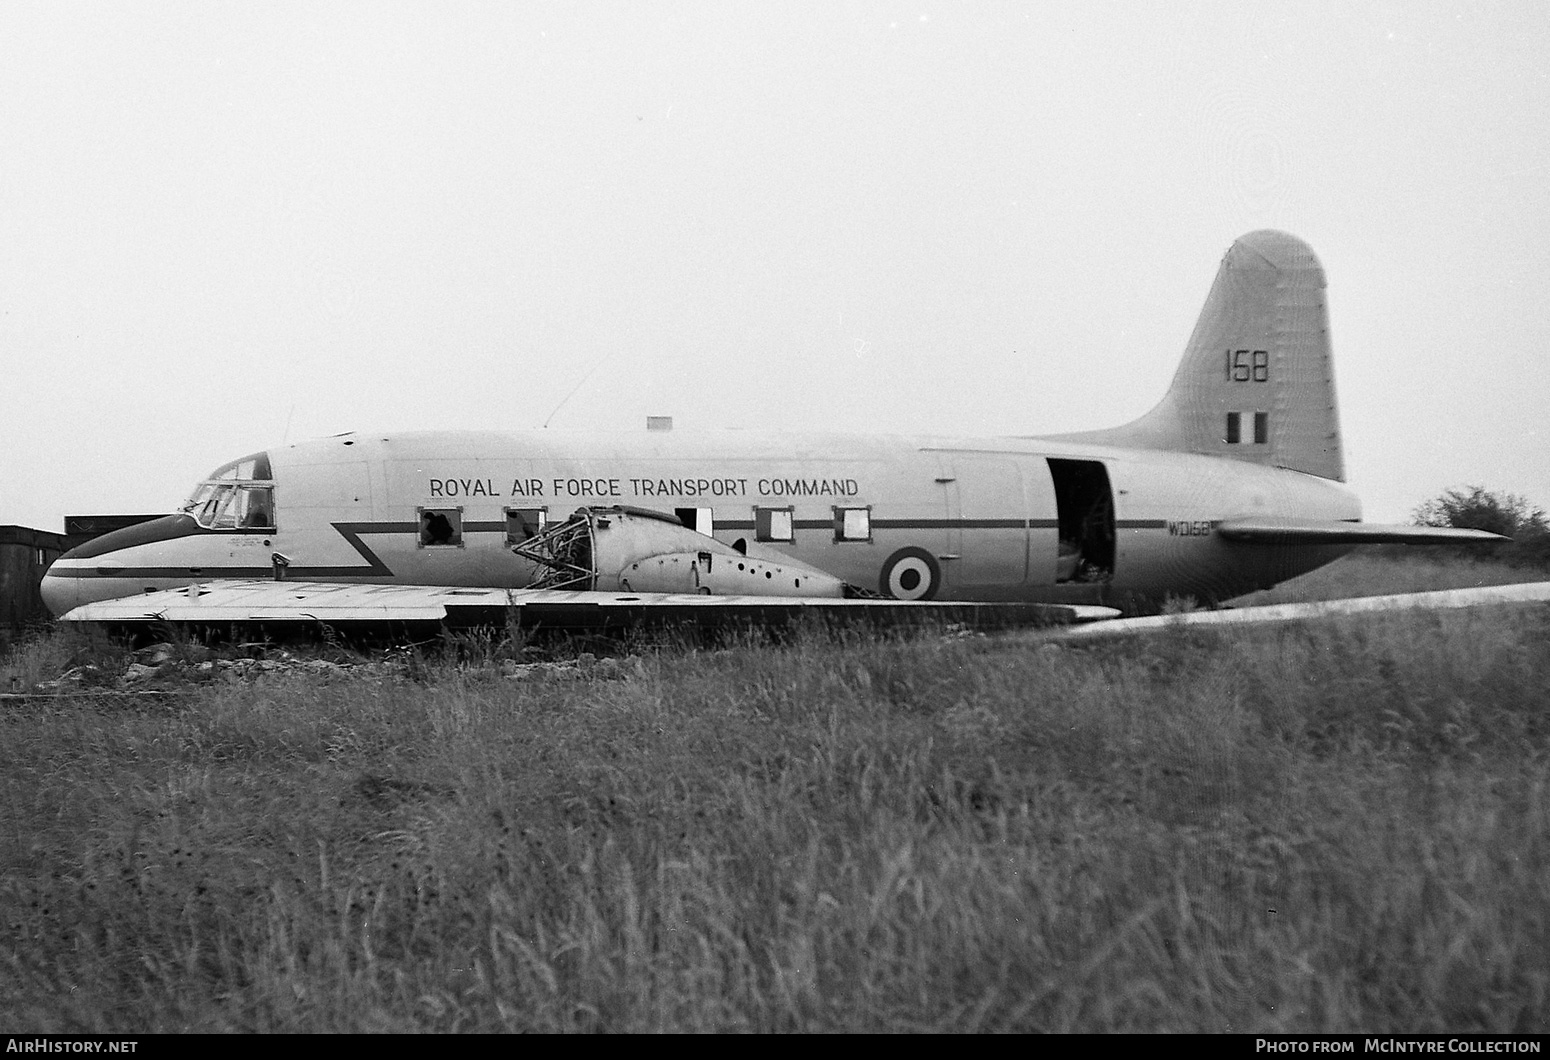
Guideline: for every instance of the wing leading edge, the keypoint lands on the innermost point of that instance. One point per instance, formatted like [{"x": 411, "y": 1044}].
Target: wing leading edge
[{"x": 1292, "y": 531}]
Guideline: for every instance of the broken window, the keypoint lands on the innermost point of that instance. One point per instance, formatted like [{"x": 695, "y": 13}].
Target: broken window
[
  {"x": 700, "y": 520},
  {"x": 853, "y": 524},
  {"x": 523, "y": 523},
  {"x": 441, "y": 527},
  {"x": 1261, "y": 428},
  {"x": 1233, "y": 430},
  {"x": 774, "y": 524}
]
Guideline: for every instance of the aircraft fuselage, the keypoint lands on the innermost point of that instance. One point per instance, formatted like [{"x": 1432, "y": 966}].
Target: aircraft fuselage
[{"x": 911, "y": 517}]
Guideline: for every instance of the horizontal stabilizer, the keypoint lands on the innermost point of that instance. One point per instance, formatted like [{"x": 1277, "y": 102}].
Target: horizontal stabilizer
[{"x": 1289, "y": 531}]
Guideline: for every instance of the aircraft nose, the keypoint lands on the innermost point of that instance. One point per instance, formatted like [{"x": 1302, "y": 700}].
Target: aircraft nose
[{"x": 59, "y": 594}]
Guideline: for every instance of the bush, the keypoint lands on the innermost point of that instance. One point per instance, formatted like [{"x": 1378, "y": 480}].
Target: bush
[
  {"x": 1508, "y": 514},
  {"x": 1477, "y": 508}
]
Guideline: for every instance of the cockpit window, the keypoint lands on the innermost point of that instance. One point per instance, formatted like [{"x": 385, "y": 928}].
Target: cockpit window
[
  {"x": 248, "y": 469},
  {"x": 222, "y": 506},
  {"x": 236, "y": 496}
]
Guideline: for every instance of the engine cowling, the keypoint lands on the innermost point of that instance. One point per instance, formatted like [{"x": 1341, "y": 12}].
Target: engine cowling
[{"x": 636, "y": 550}]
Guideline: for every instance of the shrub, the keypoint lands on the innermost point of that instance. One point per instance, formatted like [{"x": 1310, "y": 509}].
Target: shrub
[{"x": 1508, "y": 514}]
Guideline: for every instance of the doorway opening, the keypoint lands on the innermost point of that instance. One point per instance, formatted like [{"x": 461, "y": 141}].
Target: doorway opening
[{"x": 1085, "y": 506}]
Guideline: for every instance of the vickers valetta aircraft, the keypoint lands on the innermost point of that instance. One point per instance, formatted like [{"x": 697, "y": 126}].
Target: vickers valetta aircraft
[{"x": 1231, "y": 483}]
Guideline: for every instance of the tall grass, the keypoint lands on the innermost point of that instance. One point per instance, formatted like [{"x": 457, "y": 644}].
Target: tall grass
[
  {"x": 1341, "y": 826},
  {"x": 1335, "y": 826}
]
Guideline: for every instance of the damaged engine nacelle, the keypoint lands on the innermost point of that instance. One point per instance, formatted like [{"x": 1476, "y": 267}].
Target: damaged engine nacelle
[{"x": 635, "y": 550}]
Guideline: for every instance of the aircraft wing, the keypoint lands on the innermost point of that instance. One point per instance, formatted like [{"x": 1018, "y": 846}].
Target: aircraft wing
[
  {"x": 1291, "y": 531},
  {"x": 1526, "y": 593},
  {"x": 267, "y": 602}
]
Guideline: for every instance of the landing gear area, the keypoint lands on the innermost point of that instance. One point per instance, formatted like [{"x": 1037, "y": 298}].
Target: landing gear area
[{"x": 1085, "y": 506}]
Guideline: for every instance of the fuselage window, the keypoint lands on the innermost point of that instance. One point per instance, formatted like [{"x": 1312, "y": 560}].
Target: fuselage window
[
  {"x": 1261, "y": 428},
  {"x": 1233, "y": 430},
  {"x": 853, "y": 524},
  {"x": 774, "y": 524},
  {"x": 441, "y": 527},
  {"x": 700, "y": 520},
  {"x": 523, "y": 523}
]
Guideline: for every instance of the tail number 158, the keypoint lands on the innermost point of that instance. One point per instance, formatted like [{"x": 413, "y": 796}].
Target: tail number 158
[{"x": 1248, "y": 366}]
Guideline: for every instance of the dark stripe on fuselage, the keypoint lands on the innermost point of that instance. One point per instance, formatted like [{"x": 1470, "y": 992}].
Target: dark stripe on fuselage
[
  {"x": 167, "y": 528},
  {"x": 184, "y": 574},
  {"x": 962, "y": 524},
  {"x": 351, "y": 532},
  {"x": 376, "y": 568},
  {"x": 910, "y": 524}
]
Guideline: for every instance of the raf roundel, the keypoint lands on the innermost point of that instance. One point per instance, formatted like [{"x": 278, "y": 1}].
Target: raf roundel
[{"x": 910, "y": 574}]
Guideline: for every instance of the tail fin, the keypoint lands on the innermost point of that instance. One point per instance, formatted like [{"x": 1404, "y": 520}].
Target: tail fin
[{"x": 1257, "y": 382}]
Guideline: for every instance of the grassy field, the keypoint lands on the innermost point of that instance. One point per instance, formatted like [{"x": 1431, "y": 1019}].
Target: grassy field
[{"x": 1340, "y": 826}]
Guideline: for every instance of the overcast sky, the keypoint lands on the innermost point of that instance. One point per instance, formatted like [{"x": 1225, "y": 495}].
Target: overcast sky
[{"x": 227, "y": 226}]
